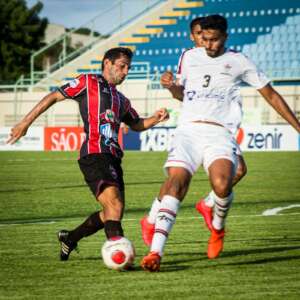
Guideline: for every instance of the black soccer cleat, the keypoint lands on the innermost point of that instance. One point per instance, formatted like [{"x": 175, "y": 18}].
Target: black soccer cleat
[{"x": 66, "y": 245}]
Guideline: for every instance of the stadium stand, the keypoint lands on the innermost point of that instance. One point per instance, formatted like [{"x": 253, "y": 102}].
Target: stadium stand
[{"x": 268, "y": 34}]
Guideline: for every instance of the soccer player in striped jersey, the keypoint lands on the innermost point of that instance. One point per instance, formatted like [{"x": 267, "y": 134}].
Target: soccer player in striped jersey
[
  {"x": 102, "y": 109},
  {"x": 210, "y": 80}
]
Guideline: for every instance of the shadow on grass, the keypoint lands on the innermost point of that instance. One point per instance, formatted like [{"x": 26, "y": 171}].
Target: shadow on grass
[
  {"x": 258, "y": 251},
  {"x": 168, "y": 266},
  {"x": 74, "y": 186},
  {"x": 80, "y": 186},
  {"x": 283, "y": 239},
  {"x": 174, "y": 264},
  {"x": 43, "y": 188},
  {"x": 190, "y": 257}
]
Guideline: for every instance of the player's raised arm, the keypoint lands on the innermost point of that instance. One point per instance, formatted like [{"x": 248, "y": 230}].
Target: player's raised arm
[
  {"x": 21, "y": 128},
  {"x": 167, "y": 81},
  {"x": 146, "y": 123},
  {"x": 279, "y": 104}
]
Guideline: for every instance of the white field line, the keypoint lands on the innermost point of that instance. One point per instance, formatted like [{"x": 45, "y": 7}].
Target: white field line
[
  {"x": 49, "y": 221},
  {"x": 276, "y": 210}
]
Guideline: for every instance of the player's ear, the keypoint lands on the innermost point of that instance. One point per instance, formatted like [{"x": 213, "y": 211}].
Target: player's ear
[
  {"x": 106, "y": 63},
  {"x": 192, "y": 37}
]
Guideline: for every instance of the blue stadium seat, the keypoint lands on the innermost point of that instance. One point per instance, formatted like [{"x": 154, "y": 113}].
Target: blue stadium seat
[
  {"x": 268, "y": 33},
  {"x": 290, "y": 20}
]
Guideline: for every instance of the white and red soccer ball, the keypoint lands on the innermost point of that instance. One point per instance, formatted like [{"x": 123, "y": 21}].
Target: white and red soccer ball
[{"x": 118, "y": 253}]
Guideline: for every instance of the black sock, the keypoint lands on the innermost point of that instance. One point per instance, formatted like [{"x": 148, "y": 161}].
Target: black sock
[
  {"x": 113, "y": 228},
  {"x": 91, "y": 225}
]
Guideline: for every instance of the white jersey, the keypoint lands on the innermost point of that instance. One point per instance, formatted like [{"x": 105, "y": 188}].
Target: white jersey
[{"x": 212, "y": 86}]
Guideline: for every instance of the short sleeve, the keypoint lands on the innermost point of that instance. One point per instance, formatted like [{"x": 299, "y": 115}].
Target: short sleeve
[
  {"x": 181, "y": 70},
  {"x": 252, "y": 75},
  {"x": 130, "y": 115},
  {"x": 73, "y": 89}
]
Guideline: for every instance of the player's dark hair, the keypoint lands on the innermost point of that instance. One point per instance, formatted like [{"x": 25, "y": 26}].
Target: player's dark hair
[
  {"x": 115, "y": 53},
  {"x": 196, "y": 21},
  {"x": 215, "y": 22}
]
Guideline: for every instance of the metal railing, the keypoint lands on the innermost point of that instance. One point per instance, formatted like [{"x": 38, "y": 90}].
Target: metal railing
[{"x": 103, "y": 25}]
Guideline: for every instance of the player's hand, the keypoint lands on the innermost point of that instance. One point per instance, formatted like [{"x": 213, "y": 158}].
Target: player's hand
[
  {"x": 17, "y": 132},
  {"x": 167, "y": 79},
  {"x": 161, "y": 115}
]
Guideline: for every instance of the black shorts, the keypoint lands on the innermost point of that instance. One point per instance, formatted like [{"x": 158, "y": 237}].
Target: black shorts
[{"x": 101, "y": 170}]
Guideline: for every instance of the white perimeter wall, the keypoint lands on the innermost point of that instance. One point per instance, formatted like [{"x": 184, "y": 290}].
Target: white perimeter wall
[{"x": 256, "y": 110}]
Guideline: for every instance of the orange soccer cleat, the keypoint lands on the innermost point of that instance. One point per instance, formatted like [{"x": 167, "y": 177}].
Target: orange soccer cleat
[
  {"x": 147, "y": 231},
  {"x": 206, "y": 212},
  {"x": 215, "y": 243},
  {"x": 151, "y": 262}
]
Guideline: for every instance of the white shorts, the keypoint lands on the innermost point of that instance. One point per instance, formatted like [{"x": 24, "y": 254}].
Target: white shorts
[
  {"x": 238, "y": 150},
  {"x": 199, "y": 144}
]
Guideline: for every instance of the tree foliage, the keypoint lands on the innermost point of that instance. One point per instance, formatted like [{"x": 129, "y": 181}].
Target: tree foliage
[
  {"x": 85, "y": 31},
  {"x": 21, "y": 33}
]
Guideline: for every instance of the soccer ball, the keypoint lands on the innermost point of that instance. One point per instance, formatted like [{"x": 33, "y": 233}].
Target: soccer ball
[{"x": 118, "y": 253}]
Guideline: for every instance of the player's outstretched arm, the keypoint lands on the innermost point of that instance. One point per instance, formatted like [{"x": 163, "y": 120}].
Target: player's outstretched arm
[
  {"x": 21, "y": 128},
  {"x": 279, "y": 104},
  {"x": 167, "y": 81},
  {"x": 160, "y": 115}
]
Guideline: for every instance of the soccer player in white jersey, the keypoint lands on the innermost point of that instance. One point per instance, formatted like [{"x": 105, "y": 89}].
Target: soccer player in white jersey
[
  {"x": 203, "y": 206},
  {"x": 210, "y": 80}
]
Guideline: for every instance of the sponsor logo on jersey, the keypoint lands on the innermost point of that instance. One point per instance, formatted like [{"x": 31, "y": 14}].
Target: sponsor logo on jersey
[
  {"x": 215, "y": 93},
  {"x": 74, "y": 83},
  {"x": 227, "y": 68},
  {"x": 109, "y": 115},
  {"x": 191, "y": 94},
  {"x": 106, "y": 130}
]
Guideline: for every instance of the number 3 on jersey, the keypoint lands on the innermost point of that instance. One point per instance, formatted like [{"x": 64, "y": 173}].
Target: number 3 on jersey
[{"x": 206, "y": 80}]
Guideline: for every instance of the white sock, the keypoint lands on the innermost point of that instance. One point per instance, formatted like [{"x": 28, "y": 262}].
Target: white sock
[
  {"x": 164, "y": 222},
  {"x": 222, "y": 206},
  {"x": 210, "y": 199},
  {"x": 154, "y": 211}
]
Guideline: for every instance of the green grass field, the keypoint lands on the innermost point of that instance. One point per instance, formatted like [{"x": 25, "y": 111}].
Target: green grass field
[{"x": 41, "y": 193}]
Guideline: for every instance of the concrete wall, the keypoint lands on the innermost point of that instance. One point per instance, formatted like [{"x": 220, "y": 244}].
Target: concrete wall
[{"x": 146, "y": 101}]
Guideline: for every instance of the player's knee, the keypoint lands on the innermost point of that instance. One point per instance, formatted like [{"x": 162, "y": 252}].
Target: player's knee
[
  {"x": 116, "y": 204},
  {"x": 113, "y": 208},
  {"x": 222, "y": 186}
]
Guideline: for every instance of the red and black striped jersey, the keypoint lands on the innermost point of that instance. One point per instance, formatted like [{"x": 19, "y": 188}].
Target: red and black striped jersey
[{"x": 102, "y": 109}]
